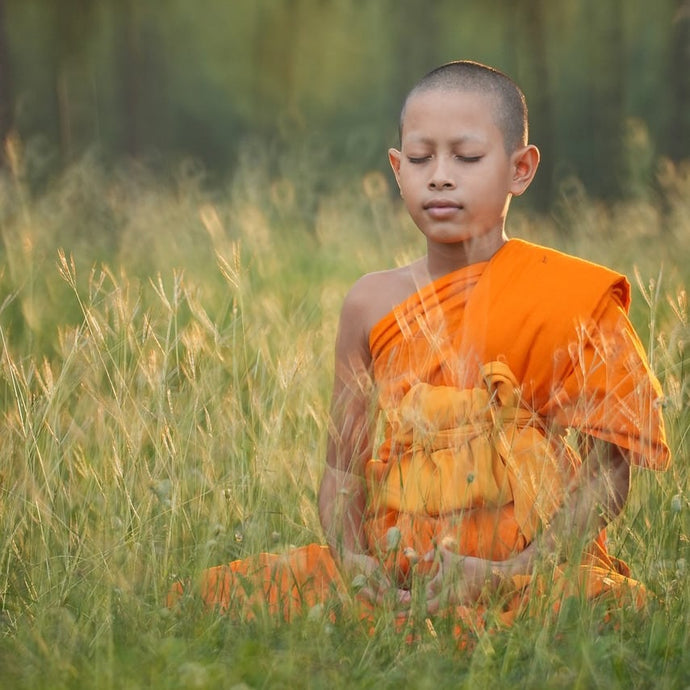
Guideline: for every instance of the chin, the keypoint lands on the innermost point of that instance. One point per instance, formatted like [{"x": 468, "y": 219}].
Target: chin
[{"x": 452, "y": 238}]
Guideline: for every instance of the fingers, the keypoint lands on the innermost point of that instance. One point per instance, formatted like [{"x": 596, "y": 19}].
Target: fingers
[
  {"x": 435, "y": 585},
  {"x": 433, "y": 606},
  {"x": 404, "y": 597},
  {"x": 376, "y": 588},
  {"x": 369, "y": 595},
  {"x": 452, "y": 584},
  {"x": 361, "y": 563},
  {"x": 453, "y": 579},
  {"x": 382, "y": 596}
]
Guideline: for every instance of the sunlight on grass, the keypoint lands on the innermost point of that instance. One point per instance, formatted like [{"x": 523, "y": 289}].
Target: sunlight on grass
[{"x": 164, "y": 381}]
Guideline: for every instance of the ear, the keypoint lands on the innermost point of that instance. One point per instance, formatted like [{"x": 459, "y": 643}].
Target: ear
[
  {"x": 394, "y": 157},
  {"x": 524, "y": 164}
]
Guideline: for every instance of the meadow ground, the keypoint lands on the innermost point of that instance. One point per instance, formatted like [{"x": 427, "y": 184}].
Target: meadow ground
[{"x": 165, "y": 372}]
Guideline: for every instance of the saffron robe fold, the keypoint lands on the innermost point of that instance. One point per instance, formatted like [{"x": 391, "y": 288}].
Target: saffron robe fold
[
  {"x": 559, "y": 325},
  {"x": 479, "y": 376}
]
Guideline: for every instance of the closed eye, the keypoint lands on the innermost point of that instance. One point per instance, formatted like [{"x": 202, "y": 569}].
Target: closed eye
[
  {"x": 470, "y": 159},
  {"x": 418, "y": 159}
]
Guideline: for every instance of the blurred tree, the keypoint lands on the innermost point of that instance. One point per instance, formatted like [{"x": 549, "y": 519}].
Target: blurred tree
[
  {"x": 6, "y": 94},
  {"x": 71, "y": 23},
  {"x": 416, "y": 46},
  {"x": 605, "y": 79},
  {"x": 678, "y": 143},
  {"x": 531, "y": 23},
  {"x": 136, "y": 81},
  {"x": 274, "y": 48},
  {"x": 179, "y": 79},
  {"x": 129, "y": 60}
]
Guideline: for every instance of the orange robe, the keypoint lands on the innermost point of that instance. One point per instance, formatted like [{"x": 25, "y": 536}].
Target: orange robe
[{"x": 479, "y": 375}]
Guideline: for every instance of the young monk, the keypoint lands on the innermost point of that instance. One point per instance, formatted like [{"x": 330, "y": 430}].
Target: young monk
[{"x": 472, "y": 364}]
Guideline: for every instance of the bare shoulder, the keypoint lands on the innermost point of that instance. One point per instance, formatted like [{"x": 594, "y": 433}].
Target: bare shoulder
[
  {"x": 375, "y": 294},
  {"x": 368, "y": 300}
]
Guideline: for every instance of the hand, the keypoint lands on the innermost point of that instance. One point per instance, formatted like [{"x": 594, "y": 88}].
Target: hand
[
  {"x": 374, "y": 584},
  {"x": 459, "y": 580}
]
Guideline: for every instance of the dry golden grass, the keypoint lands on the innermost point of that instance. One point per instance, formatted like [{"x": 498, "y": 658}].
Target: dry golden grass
[{"x": 164, "y": 381}]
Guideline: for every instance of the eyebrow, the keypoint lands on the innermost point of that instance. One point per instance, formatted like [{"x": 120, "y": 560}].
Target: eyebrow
[{"x": 466, "y": 138}]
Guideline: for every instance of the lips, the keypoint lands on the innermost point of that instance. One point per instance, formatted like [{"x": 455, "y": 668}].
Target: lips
[{"x": 442, "y": 208}]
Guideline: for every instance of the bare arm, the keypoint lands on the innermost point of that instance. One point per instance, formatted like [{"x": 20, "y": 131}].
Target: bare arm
[
  {"x": 599, "y": 495},
  {"x": 342, "y": 495}
]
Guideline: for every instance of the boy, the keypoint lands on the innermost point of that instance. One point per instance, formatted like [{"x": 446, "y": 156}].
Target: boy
[{"x": 474, "y": 361}]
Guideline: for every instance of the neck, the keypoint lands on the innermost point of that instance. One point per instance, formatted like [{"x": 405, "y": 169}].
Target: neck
[{"x": 442, "y": 259}]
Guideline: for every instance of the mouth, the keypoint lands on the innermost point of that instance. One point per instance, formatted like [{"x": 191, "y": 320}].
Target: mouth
[
  {"x": 442, "y": 208},
  {"x": 441, "y": 203}
]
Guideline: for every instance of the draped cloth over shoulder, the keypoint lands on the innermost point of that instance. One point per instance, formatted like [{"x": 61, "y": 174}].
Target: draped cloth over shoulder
[
  {"x": 555, "y": 324},
  {"x": 479, "y": 375}
]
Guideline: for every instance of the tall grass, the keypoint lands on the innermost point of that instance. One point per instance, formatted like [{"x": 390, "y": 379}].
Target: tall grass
[{"x": 164, "y": 380}]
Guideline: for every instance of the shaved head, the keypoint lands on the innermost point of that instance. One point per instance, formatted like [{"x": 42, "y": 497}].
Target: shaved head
[{"x": 510, "y": 108}]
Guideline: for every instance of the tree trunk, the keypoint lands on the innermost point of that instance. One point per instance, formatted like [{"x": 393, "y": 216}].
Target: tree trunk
[
  {"x": 6, "y": 95},
  {"x": 131, "y": 75},
  {"x": 678, "y": 145},
  {"x": 417, "y": 31},
  {"x": 603, "y": 168},
  {"x": 541, "y": 111}
]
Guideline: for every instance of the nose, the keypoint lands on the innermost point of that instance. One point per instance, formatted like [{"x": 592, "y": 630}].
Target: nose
[{"x": 440, "y": 175}]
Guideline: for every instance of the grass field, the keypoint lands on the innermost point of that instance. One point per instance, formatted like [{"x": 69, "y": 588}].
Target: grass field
[{"x": 164, "y": 381}]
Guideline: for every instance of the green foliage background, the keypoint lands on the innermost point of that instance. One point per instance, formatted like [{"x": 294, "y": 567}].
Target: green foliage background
[{"x": 607, "y": 82}]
